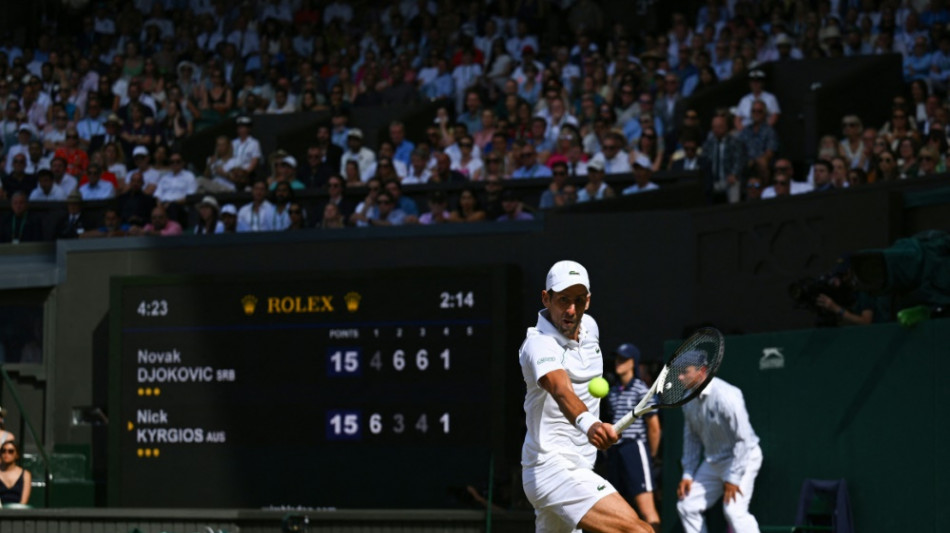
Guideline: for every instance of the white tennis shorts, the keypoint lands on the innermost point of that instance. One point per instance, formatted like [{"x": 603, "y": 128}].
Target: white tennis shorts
[{"x": 562, "y": 493}]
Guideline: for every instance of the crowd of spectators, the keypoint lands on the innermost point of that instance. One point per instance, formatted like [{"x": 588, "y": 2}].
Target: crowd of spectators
[{"x": 100, "y": 107}]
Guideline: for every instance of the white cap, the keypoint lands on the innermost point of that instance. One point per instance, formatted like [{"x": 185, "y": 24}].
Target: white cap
[
  {"x": 355, "y": 132},
  {"x": 565, "y": 274},
  {"x": 290, "y": 161},
  {"x": 229, "y": 209},
  {"x": 642, "y": 161},
  {"x": 210, "y": 201},
  {"x": 139, "y": 150}
]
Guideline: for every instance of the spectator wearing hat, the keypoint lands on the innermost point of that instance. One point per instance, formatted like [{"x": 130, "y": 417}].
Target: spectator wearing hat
[
  {"x": 246, "y": 149},
  {"x": 355, "y": 151},
  {"x": 286, "y": 172},
  {"x": 112, "y": 128},
  {"x": 513, "y": 208},
  {"x": 209, "y": 222},
  {"x": 596, "y": 188},
  {"x": 787, "y": 50},
  {"x": 757, "y": 92},
  {"x": 630, "y": 461},
  {"x": 229, "y": 218},
  {"x": 175, "y": 186},
  {"x": 46, "y": 189},
  {"x": 143, "y": 166},
  {"x": 19, "y": 225},
  {"x": 642, "y": 172}
]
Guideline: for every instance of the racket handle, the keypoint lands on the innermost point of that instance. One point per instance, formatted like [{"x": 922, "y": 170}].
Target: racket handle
[{"x": 624, "y": 422}]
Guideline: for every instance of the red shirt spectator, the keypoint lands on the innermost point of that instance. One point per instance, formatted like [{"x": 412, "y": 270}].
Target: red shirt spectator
[{"x": 76, "y": 158}]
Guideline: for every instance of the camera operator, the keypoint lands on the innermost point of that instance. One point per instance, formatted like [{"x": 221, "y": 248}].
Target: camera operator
[
  {"x": 863, "y": 307},
  {"x": 836, "y": 300}
]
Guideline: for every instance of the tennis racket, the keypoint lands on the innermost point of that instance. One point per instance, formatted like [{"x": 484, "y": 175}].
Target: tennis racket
[{"x": 703, "y": 348}]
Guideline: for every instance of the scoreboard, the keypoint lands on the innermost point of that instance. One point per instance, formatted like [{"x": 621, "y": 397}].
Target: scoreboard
[{"x": 380, "y": 388}]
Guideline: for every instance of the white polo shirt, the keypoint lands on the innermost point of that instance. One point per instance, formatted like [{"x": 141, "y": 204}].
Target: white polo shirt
[
  {"x": 549, "y": 433},
  {"x": 176, "y": 186}
]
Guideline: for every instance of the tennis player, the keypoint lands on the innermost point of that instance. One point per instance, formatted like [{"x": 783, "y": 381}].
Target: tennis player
[
  {"x": 560, "y": 355},
  {"x": 721, "y": 454}
]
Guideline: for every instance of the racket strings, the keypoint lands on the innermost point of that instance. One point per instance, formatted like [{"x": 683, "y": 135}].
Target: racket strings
[{"x": 683, "y": 381}]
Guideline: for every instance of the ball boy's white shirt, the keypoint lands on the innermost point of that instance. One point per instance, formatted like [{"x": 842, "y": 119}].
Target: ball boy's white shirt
[{"x": 550, "y": 435}]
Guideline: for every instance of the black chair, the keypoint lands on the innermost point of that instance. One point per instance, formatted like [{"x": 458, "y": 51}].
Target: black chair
[{"x": 823, "y": 505}]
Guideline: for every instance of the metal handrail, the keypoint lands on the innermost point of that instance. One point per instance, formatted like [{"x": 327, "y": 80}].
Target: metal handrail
[{"x": 26, "y": 418}]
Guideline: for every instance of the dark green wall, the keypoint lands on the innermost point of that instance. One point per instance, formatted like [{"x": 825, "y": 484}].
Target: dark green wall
[{"x": 866, "y": 404}]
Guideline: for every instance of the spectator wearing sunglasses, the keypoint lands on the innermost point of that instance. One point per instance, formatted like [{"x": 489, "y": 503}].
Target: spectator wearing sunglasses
[{"x": 16, "y": 480}]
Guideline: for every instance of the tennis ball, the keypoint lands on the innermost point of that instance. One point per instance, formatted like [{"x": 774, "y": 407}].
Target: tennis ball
[{"x": 598, "y": 387}]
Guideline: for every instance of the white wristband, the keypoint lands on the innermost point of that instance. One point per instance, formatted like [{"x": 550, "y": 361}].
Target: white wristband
[{"x": 584, "y": 421}]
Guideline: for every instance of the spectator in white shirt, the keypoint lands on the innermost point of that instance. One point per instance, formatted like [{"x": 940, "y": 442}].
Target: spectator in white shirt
[
  {"x": 177, "y": 184},
  {"x": 65, "y": 181},
  {"x": 46, "y": 189},
  {"x": 258, "y": 215},
  {"x": 246, "y": 149},
  {"x": 614, "y": 158},
  {"x": 363, "y": 156}
]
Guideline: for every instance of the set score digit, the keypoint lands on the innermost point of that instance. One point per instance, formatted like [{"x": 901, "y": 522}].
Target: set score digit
[
  {"x": 348, "y": 425},
  {"x": 350, "y": 362}
]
